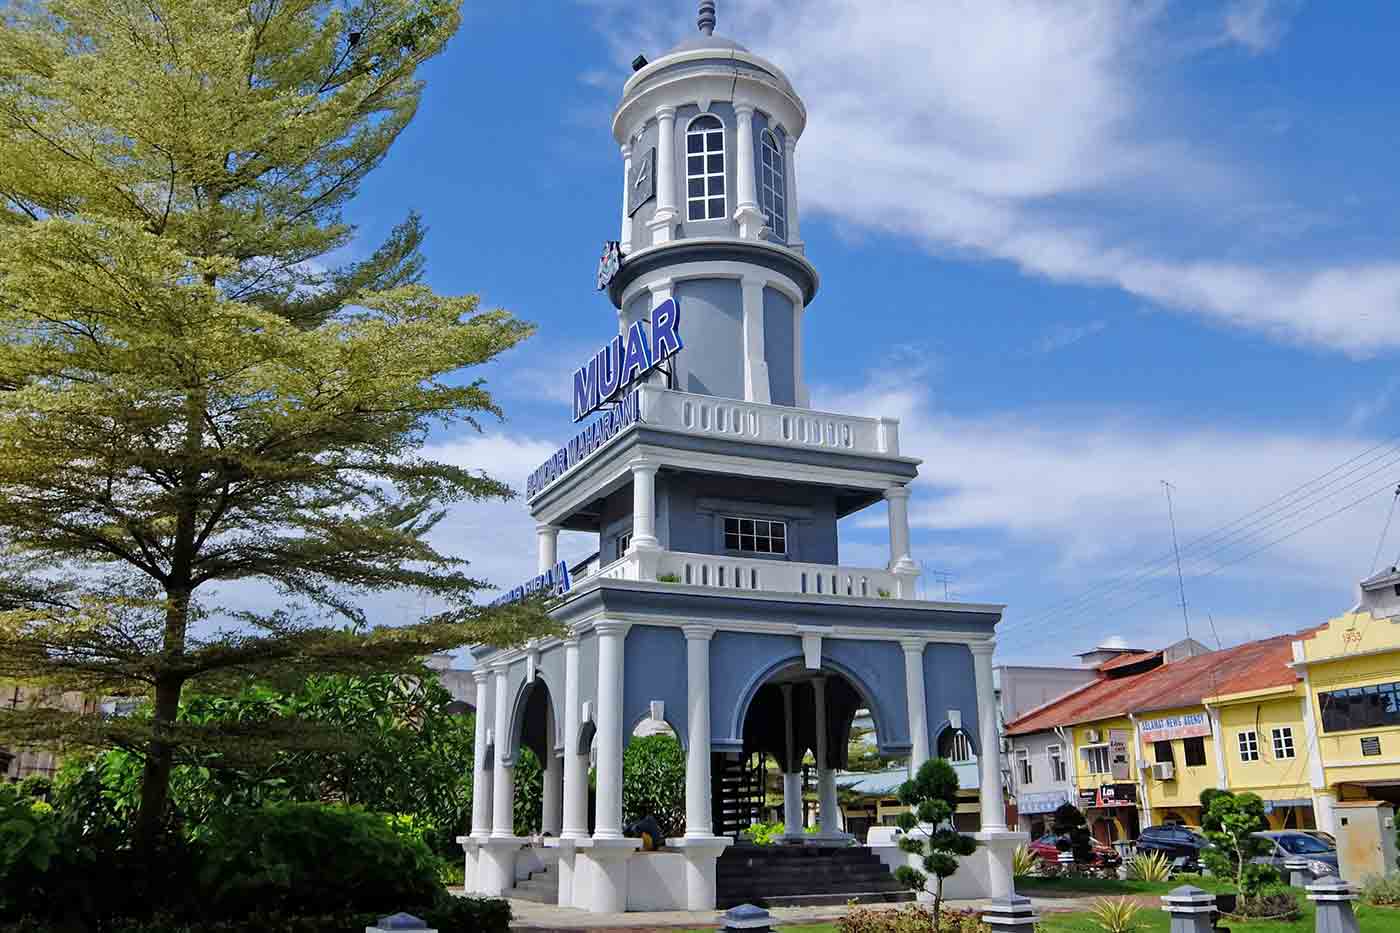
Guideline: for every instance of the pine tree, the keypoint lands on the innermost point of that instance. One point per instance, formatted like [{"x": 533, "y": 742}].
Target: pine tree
[{"x": 190, "y": 395}]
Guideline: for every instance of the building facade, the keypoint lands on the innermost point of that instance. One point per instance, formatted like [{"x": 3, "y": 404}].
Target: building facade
[{"x": 718, "y": 603}]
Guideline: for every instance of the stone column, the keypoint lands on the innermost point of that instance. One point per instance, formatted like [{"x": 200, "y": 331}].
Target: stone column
[
  {"x": 757, "y": 387},
  {"x": 575, "y": 803},
  {"x": 644, "y": 505},
  {"x": 901, "y": 564},
  {"x": 1190, "y": 909},
  {"x": 988, "y": 762},
  {"x": 918, "y": 702},
  {"x": 794, "y": 237},
  {"x": 547, "y": 543},
  {"x": 662, "y": 223},
  {"x": 747, "y": 214},
  {"x": 625, "y": 241},
  {"x": 481, "y": 785},
  {"x": 552, "y": 795},
  {"x": 1333, "y": 898},
  {"x": 503, "y": 804},
  {"x": 698, "y": 813},
  {"x": 611, "y": 636},
  {"x": 826, "y": 775},
  {"x": 1012, "y": 914}
]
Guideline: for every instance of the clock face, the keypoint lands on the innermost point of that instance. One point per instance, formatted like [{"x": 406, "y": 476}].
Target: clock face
[{"x": 641, "y": 181}]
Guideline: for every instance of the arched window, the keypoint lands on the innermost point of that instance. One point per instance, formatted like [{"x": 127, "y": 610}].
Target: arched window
[
  {"x": 955, "y": 745},
  {"x": 704, "y": 169},
  {"x": 772, "y": 190}
]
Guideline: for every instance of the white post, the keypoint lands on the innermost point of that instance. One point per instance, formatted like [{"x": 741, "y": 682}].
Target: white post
[
  {"x": 826, "y": 776},
  {"x": 756, "y": 383},
  {"x": 918, "y": 702},
  {"x": 794, "y": 237},
  {"x": 547, "y": 542},
  {"x": 552, "y": 796},
  {"x": 992, "y": 799},
  {"x": 901, "y": 564},
  {"x": 698, "y": 819},
  {"x": 625, "y": 243},
  {"x": 749, "y": 217},
  {"x": 481, "y": 778},
  {"x": 662, "y": 222},
  {"x": 575, "y": 762},
  {"x": 792, "y": 772},
  {"x": 643, "y": 506},
  {"x": 503, "y": 817},
  {"x": 611, "y": 636}
]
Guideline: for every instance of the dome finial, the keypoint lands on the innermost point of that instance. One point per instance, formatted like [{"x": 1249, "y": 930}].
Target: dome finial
[{"x": 706, "y": 19}]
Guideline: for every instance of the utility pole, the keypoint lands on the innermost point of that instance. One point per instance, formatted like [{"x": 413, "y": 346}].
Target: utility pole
[{"x": 1180, "y": 581}]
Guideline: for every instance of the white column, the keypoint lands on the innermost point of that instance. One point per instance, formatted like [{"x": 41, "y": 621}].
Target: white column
[
  {"x": 756, "y": 384},
  {"x": 503, "y": 804},
  {"x": 901, "y": 564},
  {"x": 792, "y": 772},
  {"x": 575, "y": 764},
  {"x": 698, "y": 818},
  {"x": 643, "y": 506},
  {"x": 552, "y": 796},
  {"x": 749, "y": 217},
  {"x": 794, "y": 237},
  {"x": 625, "y": 241},
  {"x": 803, "y": 400},
  {"x": 826, "y": 776},
  {"x": 611, "y": 636},
  {"x": 663, "y": 221},
  {"x": 481, "y": 778},
  {"x": 547, "y": 542},
  {"x": 918, "y": 702},
  {"x": 989, "y": 769}
]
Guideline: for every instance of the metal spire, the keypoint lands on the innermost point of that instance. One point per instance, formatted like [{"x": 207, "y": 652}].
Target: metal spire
[{"x": 706, "y": 19}]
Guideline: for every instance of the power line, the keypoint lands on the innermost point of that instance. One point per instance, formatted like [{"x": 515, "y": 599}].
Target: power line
[{"x": 1384, "y": 530}]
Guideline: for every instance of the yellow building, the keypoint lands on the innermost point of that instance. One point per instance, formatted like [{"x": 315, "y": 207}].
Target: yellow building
[{"x": 1351, "y": 677}]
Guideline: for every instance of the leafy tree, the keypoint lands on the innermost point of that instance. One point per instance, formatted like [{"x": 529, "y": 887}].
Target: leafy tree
[
  {"x": 932, "y": 796},
  {"x": 1072, "y": 833},
  {"x": 653, "y": 782},
  {"x": 1230, "y": 822},
  {"x": 528, "y": 813},
  {"x": 191, "y": 394}
]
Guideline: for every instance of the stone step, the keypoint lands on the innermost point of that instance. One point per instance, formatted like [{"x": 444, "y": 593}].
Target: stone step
[{"x": 819, "y": 900}]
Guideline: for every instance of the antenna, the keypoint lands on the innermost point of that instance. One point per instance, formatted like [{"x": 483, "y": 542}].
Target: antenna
[
  {"x": 1176, "y": 551},
  {"x": 706, "y": 18},
  {"x": 1384, "y": 531}
]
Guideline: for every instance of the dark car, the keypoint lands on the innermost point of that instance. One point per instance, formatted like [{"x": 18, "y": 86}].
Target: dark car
[
  {"x": 1175, "y": 842},
  {"x": 1288, "y": 844},
  {"x": 1046, "y": 849}
]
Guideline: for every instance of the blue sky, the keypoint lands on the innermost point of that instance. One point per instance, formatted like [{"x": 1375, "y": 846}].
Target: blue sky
[{"x": 1077, "y": 247}]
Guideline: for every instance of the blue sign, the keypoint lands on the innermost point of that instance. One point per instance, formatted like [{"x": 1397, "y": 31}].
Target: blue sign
[
  {"x": 623, "y": 361},
  {"x": 621, "y": 415},
  {"x": 553, "y": 582}
]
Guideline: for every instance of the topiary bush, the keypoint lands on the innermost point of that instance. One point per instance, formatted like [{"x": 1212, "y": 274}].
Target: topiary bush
[
  {"x": 307, "y": 859},
  {"x": 653, "y": 782}
]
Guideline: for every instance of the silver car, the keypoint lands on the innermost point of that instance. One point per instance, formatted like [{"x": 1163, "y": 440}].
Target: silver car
[{"x": 1287, "y": 844}]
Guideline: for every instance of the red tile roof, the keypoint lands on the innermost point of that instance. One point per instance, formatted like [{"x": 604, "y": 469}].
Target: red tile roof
[
  {"x": 1255, "y": 665},
  {"x": 1127, "y": 660}
]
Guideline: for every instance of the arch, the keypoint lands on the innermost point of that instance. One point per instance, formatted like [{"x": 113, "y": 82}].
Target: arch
[
  {"x": 630, "y": 730},
  {"x": 878, "y": 715},
  {"x": 706, "y": 197},
  {"x": 586, "y": 732},
  {"x": 525, "y": 698},
  {"x": 950, "y": 734},
  {"x": 772, "y": 183}
]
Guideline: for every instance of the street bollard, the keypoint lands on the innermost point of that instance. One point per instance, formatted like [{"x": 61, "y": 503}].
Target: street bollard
[
  {"x": 1298, "y": 874},
  {"x": 398, "y": 922},
  {"x": 1333, "y": 898},
  {"x": 747, "y": 918},
  {"x": 1012, "y": 914},
  {"x": 1190, "y": 909}
]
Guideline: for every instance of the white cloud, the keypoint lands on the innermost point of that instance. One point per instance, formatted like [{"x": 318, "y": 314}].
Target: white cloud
[
  {"x": 1065, "y": 335},
  {"x": 1026, "y": 131}
]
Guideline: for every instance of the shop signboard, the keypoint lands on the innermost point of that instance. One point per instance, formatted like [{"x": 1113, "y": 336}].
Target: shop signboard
[
  {"x": 1088, "y": 796},
  {"x": 1182, "y": 726},
  {"x": 1118, "y": 795},
  {"x": 1043, "y": 802},
  {"x": 1118, "y": 754}
]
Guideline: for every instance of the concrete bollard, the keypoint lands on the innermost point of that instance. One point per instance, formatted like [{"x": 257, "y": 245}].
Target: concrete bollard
[
  {"x": 1298, "y": 874},
  {"x": 1065, "y": 860},
  {"x": 1190, "y": 908},
  {"x": 1012, "y": 914},
  {"x": 748, "y": 918},
  {"x": 1333, "y": 898},
  {"x": 399, "y": 921}
]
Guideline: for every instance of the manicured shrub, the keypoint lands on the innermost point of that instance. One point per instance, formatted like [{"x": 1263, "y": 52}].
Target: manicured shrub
[
  {"x": 307, "y": 859},
  {"x": 911, "y": 918},
  {"x": 1382, "y": 890}
]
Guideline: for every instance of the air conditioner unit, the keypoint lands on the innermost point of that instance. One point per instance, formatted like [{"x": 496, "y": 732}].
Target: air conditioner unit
[
  {"x": 1094, "y": 736},
  {"x": 1164, "y": 771}
]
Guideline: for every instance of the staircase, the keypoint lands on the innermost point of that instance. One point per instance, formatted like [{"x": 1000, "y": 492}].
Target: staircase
[
  {"x": 804, "y": 876},
  {"x": 542, "y": 887},
  {"x": 736, "y": 793}
]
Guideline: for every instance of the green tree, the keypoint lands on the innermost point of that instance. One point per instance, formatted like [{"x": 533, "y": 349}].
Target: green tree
[
  {"x": 1072, "y": 833},
  {"x": 653, "y": 782},
  {"x": 191, "y": 394},
  {"x": 1230, "y": 822},
  {"x": 932, "y": 796}
]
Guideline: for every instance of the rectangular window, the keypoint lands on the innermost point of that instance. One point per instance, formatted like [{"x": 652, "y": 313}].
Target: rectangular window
[
  {"x": 1096, "y": 759},
  {"x": 1023, "y": 761},
  {"x": 1361, "y": 707},
  {"x": 1195, "y": 751},
  {"x": 756, "y": 535},
  {"x": 624, "y": 541},
  {"x": 1162, "y": 752},
  {"x": 1057, "y": 763},
  {"x": 1283, "y": 742},
  {"x": 1249, "y": 745}
]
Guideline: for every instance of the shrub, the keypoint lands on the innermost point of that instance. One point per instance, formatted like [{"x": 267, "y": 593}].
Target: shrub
[
  {"x": 653, "y": 782},
  {"x": 452, "y": 915},
  {"x": 1150, "y": 866},
  {"x": 932, "y": 797},
  {"x": 309, "y": 859},
  {"x": 1023, "y": 861},
  {"x": 1382, "y": 890},
  {"x": 911, "y": 918},
  {"x": 1269, "y": 902},
  {"x": 36, "y": 785},
  {"x": 28, "y": 843},
  {"x": 763, "y": 834},
  {"x": 1230, "y": 822},
  {"x": 1116, "y": 915}
]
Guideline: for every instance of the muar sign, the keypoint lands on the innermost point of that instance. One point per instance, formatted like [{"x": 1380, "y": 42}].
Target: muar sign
[{"x": 624, "y": 360}]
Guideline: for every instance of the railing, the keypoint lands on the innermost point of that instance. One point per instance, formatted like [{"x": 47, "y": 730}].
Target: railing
[
  {"x": 740, "y": 574},
  {"x": 769, "y": 424}
]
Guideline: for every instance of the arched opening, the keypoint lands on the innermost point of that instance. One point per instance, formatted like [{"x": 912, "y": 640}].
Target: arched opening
[{"x": 538, "y": 771}]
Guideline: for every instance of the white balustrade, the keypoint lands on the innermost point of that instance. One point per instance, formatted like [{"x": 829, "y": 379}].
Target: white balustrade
[{"x": 740, "y": 574}]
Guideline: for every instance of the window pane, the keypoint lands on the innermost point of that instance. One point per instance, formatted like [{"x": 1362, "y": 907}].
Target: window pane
[
  {"x": 695, "y": 165},
  {"x": 731, "y": 541},
  {"x": 697, "y": 187},
  {"x": 714, "y": 163},
  {"x": 746, "y": 526},
  {"x": 717, "y": 184},
  {"x": 763, "y": 546},
  {"x": 716, "y": 208},
  {"x": 746, "y": 543},
  {"x": 714, "y": 141},
  {"x": 697, "y": 210},
  {"x": 694, "y": 142}
]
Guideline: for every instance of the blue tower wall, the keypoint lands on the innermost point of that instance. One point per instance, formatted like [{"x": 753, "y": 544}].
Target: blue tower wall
[{"x": 778, "y": 346}]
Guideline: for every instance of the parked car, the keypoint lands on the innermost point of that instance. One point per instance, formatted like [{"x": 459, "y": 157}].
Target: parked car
[
  {"x": 1046, "y": 848},
  {"x": 1295, "y": 844},
  {"x": 1175, "y": 842}
]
